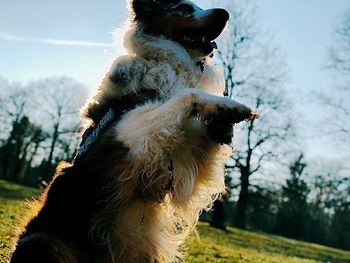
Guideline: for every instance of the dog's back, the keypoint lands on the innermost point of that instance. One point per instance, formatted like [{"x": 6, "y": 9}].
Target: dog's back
[
  {"x": 60, "y": 231},
  {"x": 40, "y": 241},
  {"x": 40, "y": 249}
]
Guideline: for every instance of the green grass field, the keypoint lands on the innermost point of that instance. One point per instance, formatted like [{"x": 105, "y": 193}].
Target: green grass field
[{"x": 209, "y": 245}]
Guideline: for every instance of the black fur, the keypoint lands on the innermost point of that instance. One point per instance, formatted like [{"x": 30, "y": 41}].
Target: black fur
[
  {"x": 121, "y": 104},
  {"x": 147, "y": 8},
  {"x": 220, "y": 125},
  {"x": 72, "y": 199}
]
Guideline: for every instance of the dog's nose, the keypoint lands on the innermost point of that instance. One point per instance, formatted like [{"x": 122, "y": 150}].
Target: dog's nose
[{"x": 222, "y": 14}]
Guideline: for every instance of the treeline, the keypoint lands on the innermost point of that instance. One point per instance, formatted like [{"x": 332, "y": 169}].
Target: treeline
[
  {"x": 306, "y": 206},
  {"x": 39, "y": 126}
]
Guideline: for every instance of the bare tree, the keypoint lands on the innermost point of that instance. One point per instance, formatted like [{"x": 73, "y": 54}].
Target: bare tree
[
  {"x": 59, "y": 100},
  {"x": 24, "y": 145},
  {"x": 338, "y": 97},
  {"x": 255, "y": 72},
  {"x": 39, "y": 123},
  {"x": 13, "y": 100},
  {"x": 20, "y": 137}
]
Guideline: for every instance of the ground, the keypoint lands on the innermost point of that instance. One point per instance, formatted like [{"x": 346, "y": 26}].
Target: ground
[{"x": 205, "y": 245}]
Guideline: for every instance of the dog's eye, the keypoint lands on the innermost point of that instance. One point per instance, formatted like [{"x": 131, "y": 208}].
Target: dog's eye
[{"x": 185, "y": 8}]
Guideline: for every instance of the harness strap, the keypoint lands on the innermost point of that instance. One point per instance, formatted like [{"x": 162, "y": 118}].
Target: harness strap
[{"x": 120, "y": 106}]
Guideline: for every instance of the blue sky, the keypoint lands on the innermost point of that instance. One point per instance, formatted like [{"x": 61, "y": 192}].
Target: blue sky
[{"x": 41, "y": 38}]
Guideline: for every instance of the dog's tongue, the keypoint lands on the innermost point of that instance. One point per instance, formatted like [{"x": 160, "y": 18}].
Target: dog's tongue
[{"x": 214, "y": 45}]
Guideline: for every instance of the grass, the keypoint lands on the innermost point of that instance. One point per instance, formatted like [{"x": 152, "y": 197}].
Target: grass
[
  {"x": 237, "y": 245},
  {"x": 207, "y": 245},
  {"x": 12, "y": 205}
]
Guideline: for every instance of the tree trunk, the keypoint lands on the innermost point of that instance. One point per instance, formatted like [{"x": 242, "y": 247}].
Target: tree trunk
[
  {"x": 8, "y": 154},
  {"x": 242, "y": 202},
  {"x": 218, "y": 215},
  {"x": 55, "y": 134},
  {"x": 6, "y": 157}
]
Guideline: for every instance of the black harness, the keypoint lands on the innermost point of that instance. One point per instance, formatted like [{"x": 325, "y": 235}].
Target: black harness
[{"x": 120, "y": 106}]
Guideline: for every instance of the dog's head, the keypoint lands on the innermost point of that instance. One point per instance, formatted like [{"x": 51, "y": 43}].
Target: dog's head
[{"x": 183, "y": 21}]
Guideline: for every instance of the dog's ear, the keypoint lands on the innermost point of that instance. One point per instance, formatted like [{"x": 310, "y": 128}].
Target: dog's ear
[{"x": 143, "y": 8}]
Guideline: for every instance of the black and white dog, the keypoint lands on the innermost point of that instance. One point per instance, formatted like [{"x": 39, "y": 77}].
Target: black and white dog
[{"x": 154, "y": 150}]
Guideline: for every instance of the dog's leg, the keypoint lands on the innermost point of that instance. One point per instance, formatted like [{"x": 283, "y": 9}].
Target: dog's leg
[
  {"x": 164, "y": 127},
  {"x": 192, "y": 121}
]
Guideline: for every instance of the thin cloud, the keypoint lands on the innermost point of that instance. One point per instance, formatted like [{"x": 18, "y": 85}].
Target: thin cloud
[
  {"x": 9, "y": 37},
  {"x": 65, "y": 42},
  {"x": 57, "y": 42}
]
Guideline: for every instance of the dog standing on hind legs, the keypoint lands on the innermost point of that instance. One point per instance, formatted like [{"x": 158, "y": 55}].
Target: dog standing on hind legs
[{"x": 136, "y": 193}]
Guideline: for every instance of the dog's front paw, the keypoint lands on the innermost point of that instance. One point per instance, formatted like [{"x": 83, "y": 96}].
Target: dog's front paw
[{"x": 219, "y": 116}]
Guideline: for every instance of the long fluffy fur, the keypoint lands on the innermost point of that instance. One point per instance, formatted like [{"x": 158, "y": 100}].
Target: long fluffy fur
[
  {"x": 156, "y": 133},
  {"x": 113, "y": 206}
]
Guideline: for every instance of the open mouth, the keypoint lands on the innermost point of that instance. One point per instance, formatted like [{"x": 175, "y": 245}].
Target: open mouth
[
  {"x": 200, "y": 31},
  {"x": 196, "y": 40}
]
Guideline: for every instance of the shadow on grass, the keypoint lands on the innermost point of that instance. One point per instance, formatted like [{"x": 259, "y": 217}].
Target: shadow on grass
[{"x": 16, "y": 192}]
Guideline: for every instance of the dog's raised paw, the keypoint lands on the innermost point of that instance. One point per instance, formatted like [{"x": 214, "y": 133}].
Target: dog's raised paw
[{"x": 219, "y": 117}]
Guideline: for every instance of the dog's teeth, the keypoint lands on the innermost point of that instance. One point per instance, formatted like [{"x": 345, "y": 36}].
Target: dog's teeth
[{"x": 203, "y": 39}]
